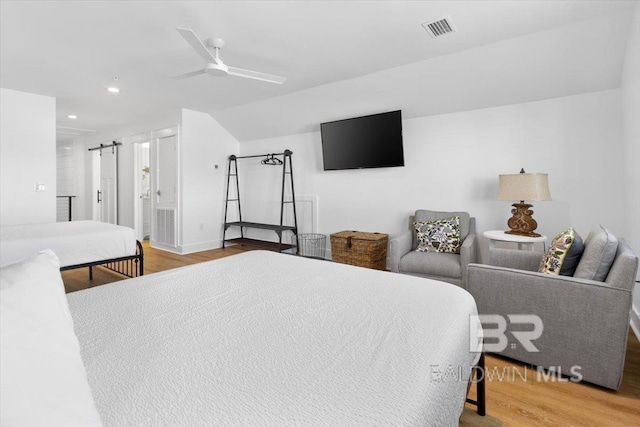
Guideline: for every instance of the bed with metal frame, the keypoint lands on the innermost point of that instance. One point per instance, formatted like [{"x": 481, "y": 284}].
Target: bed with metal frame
[
  {"x": 130, "y": 266},
  {"x": 78, "y": 244}
]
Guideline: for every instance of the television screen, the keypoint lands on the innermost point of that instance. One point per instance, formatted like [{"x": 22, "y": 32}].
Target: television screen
[{"x": 363, "y": 142}]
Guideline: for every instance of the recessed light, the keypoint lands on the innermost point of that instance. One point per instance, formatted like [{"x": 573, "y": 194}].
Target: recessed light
[
  {"x": 72, "y": 116},
  {"x": 113, "y": 89}
]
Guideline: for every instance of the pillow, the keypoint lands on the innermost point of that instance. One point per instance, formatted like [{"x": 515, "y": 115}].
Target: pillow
[
  {"x": 563, "y": 254},
  {"x": 43, "y": 381},
  {"x": 441, "y": 235},
  {"x": 423, "y": 215},
  {"x": 600, "y": 249},
  {"x": 572, "y": 259}
]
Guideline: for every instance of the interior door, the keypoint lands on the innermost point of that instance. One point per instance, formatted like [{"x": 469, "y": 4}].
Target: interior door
[
  {"x": 106, "y": 185},
  {"x": 164, "y": 191}
]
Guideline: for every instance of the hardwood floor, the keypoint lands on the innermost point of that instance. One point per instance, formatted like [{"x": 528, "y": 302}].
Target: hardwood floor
[
  {"x": 523, "y": 398},
  {"x": 154, "y": 261},
  {"x": 519, "y": 398}
]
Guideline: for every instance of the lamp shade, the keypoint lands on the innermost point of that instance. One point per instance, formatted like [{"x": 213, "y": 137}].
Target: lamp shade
[{"x": 524, "y": 186}]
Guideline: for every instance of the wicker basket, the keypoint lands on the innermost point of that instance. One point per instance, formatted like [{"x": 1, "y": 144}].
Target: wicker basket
[{"x": 359, "y": 248}]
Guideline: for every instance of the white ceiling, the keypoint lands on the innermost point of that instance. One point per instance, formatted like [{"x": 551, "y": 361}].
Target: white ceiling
[{"x": 341, "y": 57}]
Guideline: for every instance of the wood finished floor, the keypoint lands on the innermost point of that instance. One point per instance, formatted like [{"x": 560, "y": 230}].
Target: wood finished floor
[{"x": 520, "y": 399}]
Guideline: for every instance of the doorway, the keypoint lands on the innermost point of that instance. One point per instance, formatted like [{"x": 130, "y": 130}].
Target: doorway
[
  {"x": 143, "y": 196},
  {"x": 156, "y": 195}
]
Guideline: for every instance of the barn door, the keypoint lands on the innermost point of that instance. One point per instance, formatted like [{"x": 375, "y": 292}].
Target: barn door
[{"x": 105, "y": 190}]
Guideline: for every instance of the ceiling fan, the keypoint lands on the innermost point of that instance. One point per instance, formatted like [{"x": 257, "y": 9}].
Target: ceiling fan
[{"x": 214, "y": 65}]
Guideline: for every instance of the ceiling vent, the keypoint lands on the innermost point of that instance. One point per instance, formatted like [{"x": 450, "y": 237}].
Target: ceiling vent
[{"x": 439, "y": 28}]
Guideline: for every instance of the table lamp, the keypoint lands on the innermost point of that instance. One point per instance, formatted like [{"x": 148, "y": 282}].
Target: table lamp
[{"x": 523, "y": 186}]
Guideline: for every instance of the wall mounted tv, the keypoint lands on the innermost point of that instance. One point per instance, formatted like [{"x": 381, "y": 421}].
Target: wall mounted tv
[{"x": 373, "y": 141}]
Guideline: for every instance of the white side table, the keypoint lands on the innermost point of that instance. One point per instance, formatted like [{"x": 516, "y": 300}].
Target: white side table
[{"x": 524, "y": 242}]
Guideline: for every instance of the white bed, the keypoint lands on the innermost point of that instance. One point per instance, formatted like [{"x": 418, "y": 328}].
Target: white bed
[
  {"x": 76, "y": 243},
  {"x": 271, "y": 339}
]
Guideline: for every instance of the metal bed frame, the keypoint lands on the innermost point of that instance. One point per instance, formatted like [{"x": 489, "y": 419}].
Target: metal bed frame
[
  {"x": 480, "y": 402},
  {"x": 129, "y": 266}
]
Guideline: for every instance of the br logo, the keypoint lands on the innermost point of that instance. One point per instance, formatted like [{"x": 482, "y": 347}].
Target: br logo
[{"x": 495, "y": 328}]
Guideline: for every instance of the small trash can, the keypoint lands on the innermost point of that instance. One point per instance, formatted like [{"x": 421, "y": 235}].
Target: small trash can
[{"x": 311, "y": 245}]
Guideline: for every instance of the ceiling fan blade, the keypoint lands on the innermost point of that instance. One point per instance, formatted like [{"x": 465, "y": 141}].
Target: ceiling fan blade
[
  {"x": 185, "y": 75},
  {"x": 197, "y": 45},
  {"x": 239, "y": 72}
]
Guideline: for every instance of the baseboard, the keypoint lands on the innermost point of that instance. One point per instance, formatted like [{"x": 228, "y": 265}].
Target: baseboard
[
  {"x": 188, "y": 249},
  {"x": 161, "y": 246},
  {"x": 199, "y": 247}
]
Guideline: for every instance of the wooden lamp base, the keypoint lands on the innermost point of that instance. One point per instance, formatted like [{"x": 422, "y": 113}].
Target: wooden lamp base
[{"x": 521, "y": 223}]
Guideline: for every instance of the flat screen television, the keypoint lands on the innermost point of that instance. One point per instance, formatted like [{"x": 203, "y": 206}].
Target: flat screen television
[{"x": 373, "y": 141}]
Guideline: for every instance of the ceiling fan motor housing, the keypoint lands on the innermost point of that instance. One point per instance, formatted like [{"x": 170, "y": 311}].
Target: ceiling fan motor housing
[{"x": 214, "y": 69}]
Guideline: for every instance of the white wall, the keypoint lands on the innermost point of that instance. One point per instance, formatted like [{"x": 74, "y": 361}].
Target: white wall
[
  {"x": 27, "y": 156},
  {"x": 204, "y": 144},
  {"x": 630, "y": 90},
  {"x": 452, "y": 162},
  {"x": 126, "y": 166}
]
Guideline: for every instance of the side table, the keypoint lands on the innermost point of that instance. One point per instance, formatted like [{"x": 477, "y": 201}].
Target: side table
[{"x": 524, "y": 242}]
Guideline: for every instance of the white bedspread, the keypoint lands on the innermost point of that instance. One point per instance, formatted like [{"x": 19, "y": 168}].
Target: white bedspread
[
  {"x": 74, "y": 242},
  {"x": 270, "y": 339}
]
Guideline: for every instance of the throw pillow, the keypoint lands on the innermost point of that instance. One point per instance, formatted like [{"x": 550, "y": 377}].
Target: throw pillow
[
  {"x": 572, "y": 258},
  {"x": 600, "y": 249},
  {"x": 441, "y": 235},
  {"x": 44, "y": 382},
  {"x": 559, "y": 251}
]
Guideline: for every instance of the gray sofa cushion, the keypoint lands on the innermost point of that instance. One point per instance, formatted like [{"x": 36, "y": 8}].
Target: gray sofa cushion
[
  {"x": 431, "y": 264},
  {"x": 623, "y": 271},
  {"x": 599, "y": 252}
]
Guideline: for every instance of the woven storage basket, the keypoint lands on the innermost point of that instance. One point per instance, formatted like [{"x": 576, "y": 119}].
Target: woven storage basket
[{"x": 359, "y": 248}]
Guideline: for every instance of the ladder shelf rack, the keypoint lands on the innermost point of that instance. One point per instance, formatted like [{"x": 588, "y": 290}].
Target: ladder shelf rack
[{"x": 232, "y": 171}]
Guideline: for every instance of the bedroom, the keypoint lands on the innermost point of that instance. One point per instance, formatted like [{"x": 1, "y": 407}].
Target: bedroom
[{"x": 558, "y": 99}]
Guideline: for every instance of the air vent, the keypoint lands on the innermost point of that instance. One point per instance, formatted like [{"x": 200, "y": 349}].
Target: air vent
[
  {"x": 165, "y": 230},
  {"x": 439, "y": 28}
]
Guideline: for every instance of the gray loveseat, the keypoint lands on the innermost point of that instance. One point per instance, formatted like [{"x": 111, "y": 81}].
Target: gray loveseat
[{"x": 585, "y": 320}]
